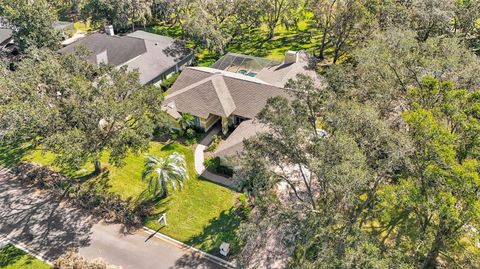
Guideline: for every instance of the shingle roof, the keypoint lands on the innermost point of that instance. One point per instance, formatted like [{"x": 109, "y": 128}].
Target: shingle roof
[
  {"x": 280, "y": 74},
  {"x": 148, "y": 53},
  {"x": 118, "y": 50},
  {"x": 203, "y": 91},
  {"x": 234, "y": 143},
  {"x": 5, "y": 35},
  {"x": 162, "y": 53}
]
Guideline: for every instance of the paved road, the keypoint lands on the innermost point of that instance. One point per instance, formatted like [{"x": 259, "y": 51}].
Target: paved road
[{"x": 49, "y": 227}]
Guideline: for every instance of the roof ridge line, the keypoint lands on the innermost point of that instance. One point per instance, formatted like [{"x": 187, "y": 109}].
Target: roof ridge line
[
  {"x": 232, "y": 77},
  {"x": 223, "y": 91},
  {"x": 189, "y": 87}
]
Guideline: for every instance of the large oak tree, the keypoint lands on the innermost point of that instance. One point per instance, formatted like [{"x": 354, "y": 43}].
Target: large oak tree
[{"x": 76, "y": 109}]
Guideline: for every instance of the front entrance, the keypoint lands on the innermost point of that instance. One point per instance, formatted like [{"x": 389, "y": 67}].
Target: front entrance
[{"x": 238, "y": 119}]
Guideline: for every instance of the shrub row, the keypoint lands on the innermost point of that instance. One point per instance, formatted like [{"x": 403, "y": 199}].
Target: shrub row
[{"x": 93, "y": 195}]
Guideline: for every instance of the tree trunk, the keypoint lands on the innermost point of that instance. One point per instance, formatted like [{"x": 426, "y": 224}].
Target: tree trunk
[
  {"x": 322, "y": 46},
  {"x": 336, "y": 55},
  {"x": 98, "y": 167},
  {"x": 431, "y": 259},
  {"x": 164, "y": 189},
  {"x": 270, "y": 32}
]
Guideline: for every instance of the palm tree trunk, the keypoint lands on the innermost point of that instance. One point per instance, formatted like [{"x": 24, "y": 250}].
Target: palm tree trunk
[{"x": 164, "y": 189}]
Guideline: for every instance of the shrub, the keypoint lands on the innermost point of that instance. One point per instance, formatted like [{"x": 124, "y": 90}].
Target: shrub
[
  {"x": 91, "y": 195},
  {"x": 191, "y": 141},
  {"x": 215, "y": 142},
  {"x": 72, "y": 260},
  {"x": 190, "y": 133},
  {"x": 167, "y": 83},
  {"x": 212, "y": 164},
  {"x": 227, "y": 171},
  {"x": 191, "y": 137},
  {"x": 244, "y": 206}
]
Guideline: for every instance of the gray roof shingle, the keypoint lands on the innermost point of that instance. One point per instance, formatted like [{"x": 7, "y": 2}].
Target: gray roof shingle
[
  {"x": 202, "y": 91},
  {"x": 119, "y": 50},
  {"x": 233, "y": 145},
  {"x": 148, "y": 53},
  {"x": 5, "y": 35}
]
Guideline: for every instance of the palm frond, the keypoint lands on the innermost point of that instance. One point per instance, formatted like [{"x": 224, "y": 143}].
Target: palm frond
[{"x": 159, "y": 172}]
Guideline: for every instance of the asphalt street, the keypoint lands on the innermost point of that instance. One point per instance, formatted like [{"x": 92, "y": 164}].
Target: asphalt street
[{"x": 47, "y": 226}]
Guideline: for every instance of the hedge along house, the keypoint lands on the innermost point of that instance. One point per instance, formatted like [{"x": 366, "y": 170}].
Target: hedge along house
[
  {"x": 233, "y": 93},
  {"x": 155, "y": 57}
]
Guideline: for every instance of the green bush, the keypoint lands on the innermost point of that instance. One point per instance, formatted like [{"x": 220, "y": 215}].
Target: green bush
[
  {"x": 215, "y": 142},
  {"x": 212, "y": 163},
  {"x": 190, "y": 133},
  {"x": 167, "y": 83},
  {"x": 190, "y": 141},
  {"x": 191, "y": 137},
  {"x": 244, "y": 206},
  {"x": 225, "y": 171}
]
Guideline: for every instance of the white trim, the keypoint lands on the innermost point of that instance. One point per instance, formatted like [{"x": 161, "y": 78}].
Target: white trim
[{"x": 209, "y": 257}]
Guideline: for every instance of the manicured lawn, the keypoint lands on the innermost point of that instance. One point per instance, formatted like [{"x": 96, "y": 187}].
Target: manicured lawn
[
  {"x": 14, "y": 258},
  {"x": 201, "y": 214},
  {"x": 82, "y": 26}
]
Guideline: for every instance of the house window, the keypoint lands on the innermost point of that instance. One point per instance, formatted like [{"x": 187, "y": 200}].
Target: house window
[{"x": 197, "y": 122}]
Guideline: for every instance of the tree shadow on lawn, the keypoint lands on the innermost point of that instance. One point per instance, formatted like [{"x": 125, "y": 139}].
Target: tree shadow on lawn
[
  {"x": 9, "y": 255},
  {"x": 256, "y": 43},
  {"x": 11, "y": 153},
  {"x": 220, "y": 229}
]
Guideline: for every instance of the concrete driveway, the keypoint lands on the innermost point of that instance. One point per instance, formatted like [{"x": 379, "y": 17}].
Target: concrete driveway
[{"x": 48, "y": 227}]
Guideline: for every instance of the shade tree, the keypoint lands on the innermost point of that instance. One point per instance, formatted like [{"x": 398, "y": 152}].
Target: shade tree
[
  {"x": 77, "y": 110},
  {"x": 33, "y": 22}
]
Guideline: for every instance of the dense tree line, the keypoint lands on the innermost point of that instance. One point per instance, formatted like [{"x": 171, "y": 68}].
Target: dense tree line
[{"x": 380, "y": 155}]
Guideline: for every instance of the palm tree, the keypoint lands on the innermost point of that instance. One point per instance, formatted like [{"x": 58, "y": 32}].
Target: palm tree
[
  {"x": 159, "y": 171},
  {"x": 186, "y": 120}
]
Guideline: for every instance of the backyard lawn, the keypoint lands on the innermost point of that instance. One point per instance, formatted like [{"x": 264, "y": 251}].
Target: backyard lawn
[
  {"x": 201, "y": 214},
  {"x": 305, "y": 36},
  {"x": 14, "y": 258}
]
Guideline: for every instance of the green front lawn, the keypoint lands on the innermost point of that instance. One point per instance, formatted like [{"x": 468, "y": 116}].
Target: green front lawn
[
  {"x": 201, "y": 214},
  {"x": 14, "y": 258}
]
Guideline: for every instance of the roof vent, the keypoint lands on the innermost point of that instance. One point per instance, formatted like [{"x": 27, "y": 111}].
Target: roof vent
[
  {"x": 291, "y": 57},
  {"x": 109, "y": 30}
]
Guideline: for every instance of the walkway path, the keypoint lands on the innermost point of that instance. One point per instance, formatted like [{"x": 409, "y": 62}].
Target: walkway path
[
  {"x": 200, "y": 159},
  {"x": 44, "y": 224}
]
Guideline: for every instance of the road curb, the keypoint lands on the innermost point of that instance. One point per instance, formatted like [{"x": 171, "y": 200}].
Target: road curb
[{"x": 203, "y": 254}]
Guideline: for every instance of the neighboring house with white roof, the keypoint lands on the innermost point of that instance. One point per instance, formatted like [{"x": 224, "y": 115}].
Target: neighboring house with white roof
[
  {"x": 155, "y": 57},
  {"x": 233, "y": 92}
]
